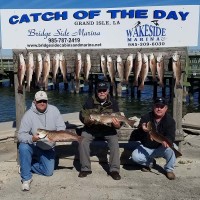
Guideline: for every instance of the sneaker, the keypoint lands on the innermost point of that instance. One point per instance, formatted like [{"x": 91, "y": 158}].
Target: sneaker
[
  {"x": 26, "y": 185},
  {"x": 170, "y": 175}
]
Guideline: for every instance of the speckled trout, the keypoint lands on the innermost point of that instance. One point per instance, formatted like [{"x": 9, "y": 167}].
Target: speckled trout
[
  {"x": 58, "y": 136},
  {"x": 160, "y": 138},
  {"x": 106, "y": 119}
]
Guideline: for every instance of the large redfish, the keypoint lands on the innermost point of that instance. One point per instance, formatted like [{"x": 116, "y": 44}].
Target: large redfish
[
  {"x": 106, "y": 119},
  {"x": 160, "y": 138},
  {"x": 58, "y": 136}
]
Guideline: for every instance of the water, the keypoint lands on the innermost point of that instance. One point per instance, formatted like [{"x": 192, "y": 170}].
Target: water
[{"x": 68, "y": 102}]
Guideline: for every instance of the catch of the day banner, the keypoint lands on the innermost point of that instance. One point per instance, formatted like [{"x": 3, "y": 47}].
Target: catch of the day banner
[{"x": 104, "y": 28}]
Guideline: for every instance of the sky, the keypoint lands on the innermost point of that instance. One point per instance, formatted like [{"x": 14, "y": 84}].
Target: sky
[{"x": 77, "y": 4}]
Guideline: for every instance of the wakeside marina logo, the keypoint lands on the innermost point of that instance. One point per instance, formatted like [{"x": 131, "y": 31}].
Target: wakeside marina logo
[{"x": 146, "y": 34}]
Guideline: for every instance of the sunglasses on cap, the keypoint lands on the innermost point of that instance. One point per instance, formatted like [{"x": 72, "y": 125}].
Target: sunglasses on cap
[
  {"x": 102, "y": 90},
  {"x": 159, "y": 106},
  {"x": 41, "y": 101}
]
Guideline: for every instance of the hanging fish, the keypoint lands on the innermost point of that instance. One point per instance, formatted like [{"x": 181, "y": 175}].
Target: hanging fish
[
  {"x": 176, "y": 66},
  {"x": 55, "y": 66},
  {"x": 46, "y": 70},
  {"x": 38, "y": 68},
  {"x": 128, "y": 67},
  {"x": 103, "y": 66},
  {"x": 21, "y": 72},
  {"x": 63, "y": 67},
  {"x": 78, "y": 66},
  {"x": 29, "y": 70},
  {"x": 87, "y": 67},
  {"x": 144, "y": 71},
  {"x": 111, "y": 70},
  {"x": 120, "y": 68},
  {"x": 160, "y": 69},
  {"x": 152, "y": 65},
  {"x": 137, "y": 67}
]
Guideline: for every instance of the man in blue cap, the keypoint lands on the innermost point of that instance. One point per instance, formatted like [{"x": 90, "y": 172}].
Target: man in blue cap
[
  {"x": 149, "y": 149},
  {"x": 99, "y": 103}
]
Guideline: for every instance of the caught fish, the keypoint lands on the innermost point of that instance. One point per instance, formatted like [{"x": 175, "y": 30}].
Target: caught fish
[
  {"x": 21, "y": 72},
  {"x": 128, "y": 67},
  {"x": 38, "y": 68},
  {"x": 120, "y": 68},
  {"x": 63, "y": 67},
  {"x": 111, "y": 70},
  {"x": 144, "y": 71},
  {"x": 106, "y": 119},
  {"x": 58, "y": 136},
  {"x": 176, "y": 66},
  {"x": 29, "y": 71},
  {"x": 55, "y": 66},
  {"x": 152, "y": 65},
  {"x": 87, "y": 67},
  {"x": 46, "y": 69},
  {"x": 103, "y": 66},
  {"x": 160, "y": 138},
  {"x": 160, "y": 69},
  {"x": 137, "y": 67},
  {"x": 78, "y": 66}
]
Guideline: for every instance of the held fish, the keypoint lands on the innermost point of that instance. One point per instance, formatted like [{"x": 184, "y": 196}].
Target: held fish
[
  {"x": 152, "y": 65},
  {"x": 137, "y": 67},
  {"x": 21, "y": 72},
  {"x": 103, "y": 66},
  {"x": 120, "y": 68},
  {"x": 55, "y": 66},
  {"x": 160, "y": 69},
  {"x": 46, "y": 69},
  {"x": 176, "y": 66},
  {"x": 58, "y": 136},
  {"x": 128, "y": 67},
  {"x": 87, "y": 67},
  {"x": 106, "y": 119},
  {"x": 160, "y": 138},
  {"x": 63, "y": 67},
  {"x": 38, "y": 68},
  {"x": 144, "y": 71},
  {"x": 29, "y": 71}
]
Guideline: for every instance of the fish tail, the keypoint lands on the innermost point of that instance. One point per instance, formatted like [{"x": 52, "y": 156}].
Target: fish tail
[
  {"x": 135, "y": 83},
  {"x": 161, "y": 84},
  {"x": 131, "y": 122},
  {"x": 20, "y": 89},
  {"x": 177, "y": 153},
  {"x": 28, "y": 88},
  {"x": 141, "y": 87}
]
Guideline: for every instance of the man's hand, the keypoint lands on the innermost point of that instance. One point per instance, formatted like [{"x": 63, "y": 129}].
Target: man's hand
[
  {"x": 144, "y": 127},
  {"x": 116, "y": 123},
  {"x": 165, "y": 144},
  {"x": 35, "y": 138}
]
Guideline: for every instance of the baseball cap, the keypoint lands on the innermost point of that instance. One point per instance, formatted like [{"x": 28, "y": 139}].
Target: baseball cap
[
  {"x": 102, "y": 86},
  {"x": 160, "y": 101},
  {"x": 41, "y": 95}
]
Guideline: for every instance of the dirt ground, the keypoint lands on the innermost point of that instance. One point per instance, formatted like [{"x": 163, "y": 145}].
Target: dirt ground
[{"x": 135, "y": 184}]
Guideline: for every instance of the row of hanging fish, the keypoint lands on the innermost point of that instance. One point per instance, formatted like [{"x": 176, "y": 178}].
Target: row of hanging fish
[
  {"x": 42, "y": 66},
  {"x": 140, "y": 66}
]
